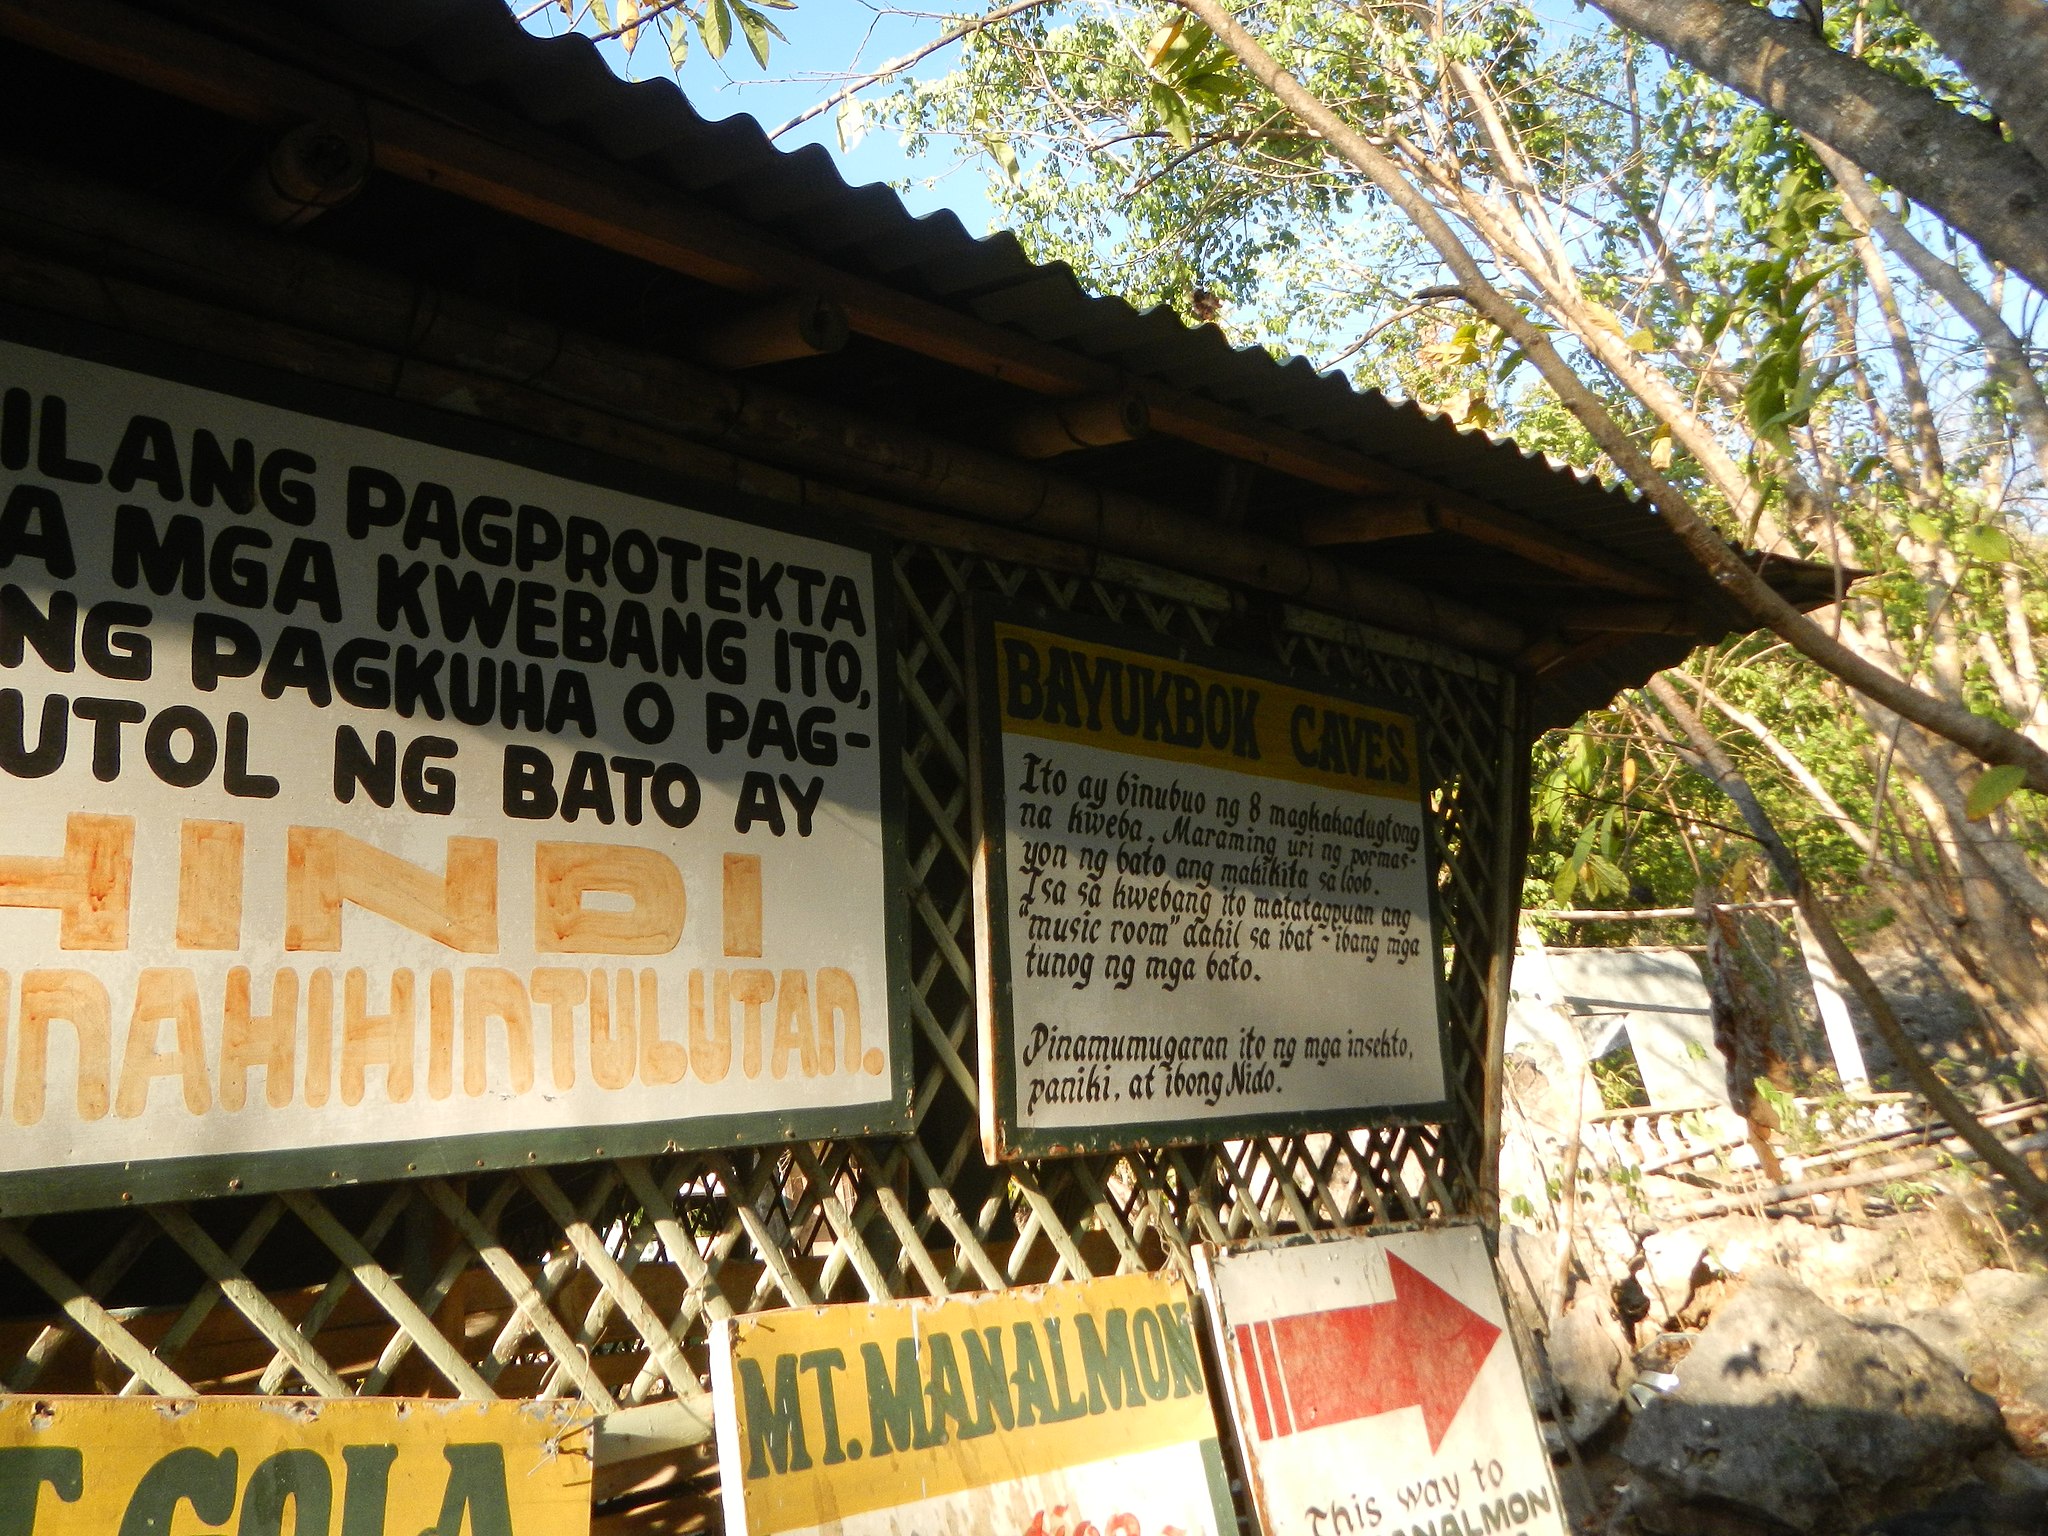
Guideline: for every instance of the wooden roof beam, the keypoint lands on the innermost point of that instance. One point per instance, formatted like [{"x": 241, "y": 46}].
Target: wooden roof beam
[
  {"x": 502, "y": 162},
  {"x": 1394, "y": 518},
  {"x": 1066, "y": 426},
  {"x": 1634, "y": 619},
  {"x": 116, "y": 253},
  {"x": 1369, "y": 522},
  {"x": 1557, "y": 653},
  {"x": 798, "y": 325}
]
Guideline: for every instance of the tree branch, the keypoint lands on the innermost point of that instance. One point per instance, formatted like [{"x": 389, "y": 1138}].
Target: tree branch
[
  {"x": 1708, "y": 758},
  {"x": 2002, "y": 46},
  {"x": 1956, "y": 165},
  {"x": 1983, "y": 737},
  {"x": 901, "y": 62},
  {"x": 2008, "y": 358}
]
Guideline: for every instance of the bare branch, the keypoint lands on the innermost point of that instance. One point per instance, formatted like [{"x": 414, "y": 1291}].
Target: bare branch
[
  {"x": 1706, "y": 755},
  {"x": 1979, "y": 734},
  {"x": 916, "y": 56},
  {"x": 2008, "y": 358}
]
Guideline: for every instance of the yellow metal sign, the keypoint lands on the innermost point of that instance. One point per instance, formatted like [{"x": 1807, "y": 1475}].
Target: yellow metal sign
[
  {"x": 1206, "y": 898},
  {"x": 1062, "y": 688},
  {"x": 260, "y": 1466},
  {"x": 972, "y": 1413}
]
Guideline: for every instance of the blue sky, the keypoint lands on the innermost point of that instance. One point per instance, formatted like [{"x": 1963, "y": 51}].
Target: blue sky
[{"x": 828, "y": 40}]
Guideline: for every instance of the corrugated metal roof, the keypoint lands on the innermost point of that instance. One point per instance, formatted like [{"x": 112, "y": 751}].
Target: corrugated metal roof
[{"x": 563, "y": 85}]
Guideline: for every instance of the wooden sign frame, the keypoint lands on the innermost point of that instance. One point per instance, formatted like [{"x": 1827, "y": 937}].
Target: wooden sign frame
[
  {"x": 429, "y": 1150},
  {"x": 1082, "y": 1404},
  {"x": 1003, "y": 1137},
  {"x": 1377, "y": 1373}
]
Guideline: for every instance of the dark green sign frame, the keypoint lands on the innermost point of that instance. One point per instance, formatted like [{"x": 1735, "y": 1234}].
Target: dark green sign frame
[
  {"x": 83, "y": 1186},
  {"x": 1003, "y": 1138}
]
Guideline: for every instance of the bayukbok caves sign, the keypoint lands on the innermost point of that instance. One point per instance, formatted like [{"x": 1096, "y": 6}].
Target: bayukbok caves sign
[
  {"x": 1206, "y": 897},
  {"x": 376, "y": 805}
]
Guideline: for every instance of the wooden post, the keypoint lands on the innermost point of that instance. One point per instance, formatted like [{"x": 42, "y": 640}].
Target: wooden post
[
  {"x": 314, "y": 167},
  {"x": 1507, "y": 860},
  {"x": 801, "y": 325},
  {"x": 1096, "y": 421},
  {"x": 1833, "y": 1008}
]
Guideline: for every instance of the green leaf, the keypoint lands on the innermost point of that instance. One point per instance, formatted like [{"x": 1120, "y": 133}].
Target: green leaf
[
  {"x": 1606, "y": 318},
  {"x": 1797, "y": 290},
  {"x": 1986, "y": 543},
  {"x": 602, "y": 14},
  {"x": 1161, "y": 42},
  {"x": 1582, "y": 850},
  {"x": 1005, "y": 157},
  {"x": 1225, "y": 83},
  {"x": 1993, "y": 788},
  {"x": 757, "y": 29},
  {"x": 678, "y": 40},
  {"x": 1172, "y": 113},
  {"x": 1924, "y": 528},
  {"x": 1642, "y": 341},
  {"x": 1606, "y": 874},
  {"x": 851, "y": 123},
  {"x": 715, "y": 27},
  {"x": 1561, "y": 888}
]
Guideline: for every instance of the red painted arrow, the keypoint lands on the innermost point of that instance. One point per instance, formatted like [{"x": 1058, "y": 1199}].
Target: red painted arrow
[{"x": 1423, "y": 1349}]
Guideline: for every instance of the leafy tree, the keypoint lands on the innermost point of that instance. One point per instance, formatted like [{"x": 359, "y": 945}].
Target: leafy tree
[
  {"x": 1553, "y": 229},
  {"x": 715, "y": 24},
  {"x": 1886, "y": 110}
]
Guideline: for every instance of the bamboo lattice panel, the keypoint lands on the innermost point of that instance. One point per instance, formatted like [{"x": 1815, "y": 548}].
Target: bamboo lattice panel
[{"x": 599, "y": 1280}]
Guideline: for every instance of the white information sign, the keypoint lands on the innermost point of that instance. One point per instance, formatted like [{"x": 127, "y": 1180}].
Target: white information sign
[
  {"x": 1373, "y": 1388},
  {"x": 1209, "y": 903},
  {"x": 360, "y": 791}
]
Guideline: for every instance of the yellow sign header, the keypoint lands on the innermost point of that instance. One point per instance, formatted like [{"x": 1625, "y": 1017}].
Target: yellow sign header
[
  {"x": 90, "y": 1466},
  {"x": 848, "y": 1409},
  {"x": 1063, "y": 689}
]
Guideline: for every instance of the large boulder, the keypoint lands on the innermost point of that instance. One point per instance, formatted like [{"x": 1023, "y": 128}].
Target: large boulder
[
  {"x": 1995, "y": 1331},
  {"x": 1789, "y": 1416},
  {"x": 1590, "y": 1367},
  {"x": 1974, "y": 1509}
]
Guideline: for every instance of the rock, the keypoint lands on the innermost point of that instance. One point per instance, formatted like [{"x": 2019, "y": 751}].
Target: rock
[
  {"x": 1673, "y": 1262},
  {"x": 1538, "y": 1086},
  {"x": 2009, "y": 1472},
  {"x": 1795, "y": 1417},
  {"x": 1974, "y": 1509},
  {"x": 1528, "y": 1266},
  {"x": 1591, "y": 1370},
  {"x": 1995, "y": 1331},
  {"x": 1968, "y": 1210}
]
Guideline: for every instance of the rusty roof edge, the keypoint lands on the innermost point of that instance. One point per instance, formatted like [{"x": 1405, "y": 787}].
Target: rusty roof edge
[
  {"x": 476, "y": 46},
  {"x": 444, "y": 28}
]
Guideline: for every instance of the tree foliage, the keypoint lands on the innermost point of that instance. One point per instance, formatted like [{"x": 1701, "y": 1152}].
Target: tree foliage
[
  {"x": 1822, "y": 366},
  {"x": 1718, "y": 279}
]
